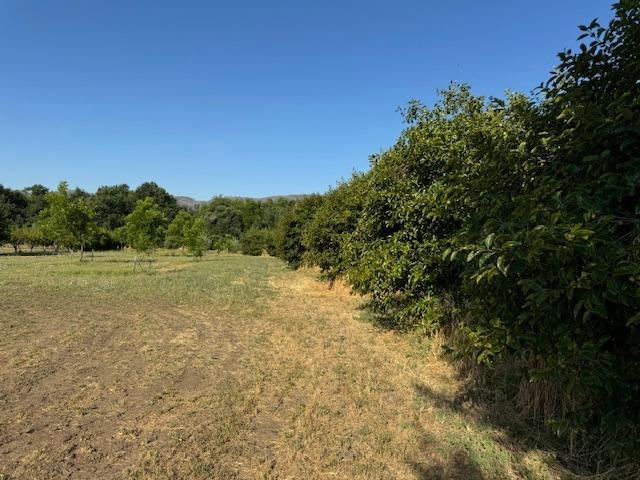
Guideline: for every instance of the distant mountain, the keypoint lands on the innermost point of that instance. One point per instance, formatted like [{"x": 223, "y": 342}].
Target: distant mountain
[
  {"x": 188, "y": 202},
  {"x": 192, "y": 204}
]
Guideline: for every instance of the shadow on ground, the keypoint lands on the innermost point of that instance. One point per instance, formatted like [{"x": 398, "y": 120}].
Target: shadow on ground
[
  {"x": 458, "y": 464},
  {"x": 470, "y": 454},
  {"x": 38, "y": 253},
  {"x": 486, "y": 425}
]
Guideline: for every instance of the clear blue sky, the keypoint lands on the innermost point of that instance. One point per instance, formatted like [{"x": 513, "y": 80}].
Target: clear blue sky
[{"x": 247, "y": 98}]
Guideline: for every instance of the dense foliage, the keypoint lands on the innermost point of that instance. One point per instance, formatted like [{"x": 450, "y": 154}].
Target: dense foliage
[
  {"x": 13, "y": 205},
  {"x": 335, "y": 218},
  {"x": 36, "y": 217},
  {"x": 176, "y": 231},
  {"x": 515, "y": 223},
  {"x": 145, "y": 227},
  {"x": 288, "y": 233},
  {"x": 67, "y": 220},
  {"x": 257, "y": 241}
]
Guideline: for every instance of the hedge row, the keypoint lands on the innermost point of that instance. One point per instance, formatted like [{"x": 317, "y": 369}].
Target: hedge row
[{"x": 516, "y": 223}]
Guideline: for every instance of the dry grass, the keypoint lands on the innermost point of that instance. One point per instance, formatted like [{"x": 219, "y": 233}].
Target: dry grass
[{"x": 231, "y": 367}]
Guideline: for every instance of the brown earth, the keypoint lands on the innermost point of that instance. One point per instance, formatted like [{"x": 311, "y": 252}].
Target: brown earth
[{"x": 232, "y": 367}]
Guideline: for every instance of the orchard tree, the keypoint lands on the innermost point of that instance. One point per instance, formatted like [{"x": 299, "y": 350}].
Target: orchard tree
[
  {"x": 17, "y": 237},
  {"x": 145, "y": 226},
  {"x": 325, "y": 234},
  {"x": 5, "y": 223},
  {"x": 195, "y": 237},
  {"x": 33, "y": 236},
  {"x": 271, "y": 210},
  {"x": 256, "y": 241},
  {"x": 119, "y": 235},
  {"x": 68, "y": 222},
  {"x": 225, "y": 242},
  {"x": 177, "y": 229}
]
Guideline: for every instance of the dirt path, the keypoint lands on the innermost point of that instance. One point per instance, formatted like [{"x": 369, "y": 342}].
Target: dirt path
[{"x": 229, "y": 368}]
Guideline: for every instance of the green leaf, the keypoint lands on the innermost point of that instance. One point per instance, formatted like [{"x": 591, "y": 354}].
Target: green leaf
[
  {"x": 489, "y": 240},
  {"x": 472, "y": 255},
  {"x": 595, "y": 305},
  {"x": 511, "y": 243},
  {"x": 633, "y": 320},
  {"x": 502, "y": 265}
]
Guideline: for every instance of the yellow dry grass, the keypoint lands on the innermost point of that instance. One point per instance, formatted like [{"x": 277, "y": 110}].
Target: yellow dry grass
[{"x": 231, "y": 367}]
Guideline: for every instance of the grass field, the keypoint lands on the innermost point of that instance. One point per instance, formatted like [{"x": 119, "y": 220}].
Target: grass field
[{"x": 230, "y": 367}]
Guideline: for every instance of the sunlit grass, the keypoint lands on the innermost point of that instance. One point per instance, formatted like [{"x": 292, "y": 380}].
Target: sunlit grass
[{"x": 228, "y": 367}]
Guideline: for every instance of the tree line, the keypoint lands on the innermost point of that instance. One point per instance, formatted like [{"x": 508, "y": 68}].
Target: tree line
[{"x": 146, "y": 218}]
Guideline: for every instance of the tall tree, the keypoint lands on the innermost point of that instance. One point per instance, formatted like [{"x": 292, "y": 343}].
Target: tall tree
[
  {"x": 36, "y": 202},
  {"x": 13, "y": 205},
  {"x": 112, "y": 205},
  {"x": 221, "y": 220},
  {"x": 164, "y": 200}
]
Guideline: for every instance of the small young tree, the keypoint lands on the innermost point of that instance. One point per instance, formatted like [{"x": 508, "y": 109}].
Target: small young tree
[
  {"x": 195, "y": 237},
  {"x": 17, "y": 237},
  {"x": 33, "y": 236},
  {"x": 177, "y": 229},
  {"x": 145, "y": 226}
]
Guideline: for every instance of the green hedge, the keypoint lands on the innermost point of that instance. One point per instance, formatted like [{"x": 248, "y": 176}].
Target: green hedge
[{"x": 515, "y": 221}]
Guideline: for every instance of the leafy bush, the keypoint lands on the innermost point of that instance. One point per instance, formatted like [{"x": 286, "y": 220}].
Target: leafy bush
[
  {"x": 288, "y": 232},
  {"x": 176, "y": 231},
  {"x": 257, "y": 241},
  {"x": 225, "y": 243},
  {"x": 438, "y": 180},
  {"x": 557, "y": 279},
  {"x": 517, "y": 222},
  {"x": 324, "y": 234},
  {"x": 103, "y": 239}
]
